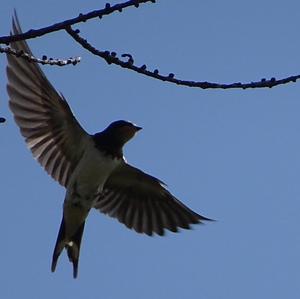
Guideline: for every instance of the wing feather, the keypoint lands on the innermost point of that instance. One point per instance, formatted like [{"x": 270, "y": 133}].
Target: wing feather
[
  {"x": 143, "y": 203},
  {"x": 44, "y": 117}
]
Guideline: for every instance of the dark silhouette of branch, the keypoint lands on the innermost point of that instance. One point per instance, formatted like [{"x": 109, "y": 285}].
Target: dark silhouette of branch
[
  {"x": 128, "y": 61},
  {"x": 81, "y": 18},
  {"x": 111, "y": 57},
  {"x": 44, "y": 60}
]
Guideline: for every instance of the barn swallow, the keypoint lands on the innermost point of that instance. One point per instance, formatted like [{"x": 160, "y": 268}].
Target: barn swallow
[{"x": 91, "y": 167}]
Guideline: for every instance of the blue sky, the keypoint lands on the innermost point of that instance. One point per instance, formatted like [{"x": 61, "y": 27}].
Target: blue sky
[{"x": 230, "y": 155}]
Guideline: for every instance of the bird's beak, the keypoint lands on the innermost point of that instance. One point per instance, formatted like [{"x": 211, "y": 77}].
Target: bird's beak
[{"x": 138, "y": 128}]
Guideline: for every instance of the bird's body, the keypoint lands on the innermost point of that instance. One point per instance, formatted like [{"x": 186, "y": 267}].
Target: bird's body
[
  {"x": 84, "y": 187},
  {"x": 91, "y": 167},
  {"x": 90, "y": 174}
]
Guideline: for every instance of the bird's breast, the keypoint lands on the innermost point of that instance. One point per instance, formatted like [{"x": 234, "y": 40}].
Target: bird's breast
[{"x": 90, "y": 174}]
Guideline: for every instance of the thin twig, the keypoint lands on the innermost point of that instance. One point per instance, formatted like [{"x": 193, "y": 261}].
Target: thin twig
[
  {"x": 44, "y": 60},
  {"x": 108, "y": 9},
  {"x": 111, "y": 57}
]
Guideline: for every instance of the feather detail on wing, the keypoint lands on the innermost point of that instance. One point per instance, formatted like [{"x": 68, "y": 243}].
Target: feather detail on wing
[
  {"x": 45, "y": 119},
  {"x": 142, "y": 203}
]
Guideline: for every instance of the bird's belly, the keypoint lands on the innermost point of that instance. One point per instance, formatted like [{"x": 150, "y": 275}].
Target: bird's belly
[{"x": 89, "y": 177}]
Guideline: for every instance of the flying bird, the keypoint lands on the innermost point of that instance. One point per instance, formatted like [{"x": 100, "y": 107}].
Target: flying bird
[{"x": 90, "y": 166}]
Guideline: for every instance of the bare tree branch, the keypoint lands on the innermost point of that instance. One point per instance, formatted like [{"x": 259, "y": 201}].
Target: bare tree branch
[
  {"x": 81, "y": 18},
  {"x": 111, "y": 57},
  {"x": 128, "y": 62},
  {"x": 44, "y": 60}
]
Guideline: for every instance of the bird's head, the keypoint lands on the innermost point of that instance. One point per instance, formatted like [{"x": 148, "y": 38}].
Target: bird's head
[{"x": 121, "y": 131}]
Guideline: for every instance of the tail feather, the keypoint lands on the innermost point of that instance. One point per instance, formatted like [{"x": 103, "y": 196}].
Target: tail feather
[
  {"x": 59, "y": 245},
  {"x": 73, "y": 249},
  {"x": 72, "y": 245}
]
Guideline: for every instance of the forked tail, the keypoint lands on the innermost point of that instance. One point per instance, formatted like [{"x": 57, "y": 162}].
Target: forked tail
[{"x": 72, "y": 245}]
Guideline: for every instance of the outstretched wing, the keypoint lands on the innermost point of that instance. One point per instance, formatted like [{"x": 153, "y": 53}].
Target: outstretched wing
[
  {"x": 141, "y": 202},
  {"x": 46, "y": 121}
]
